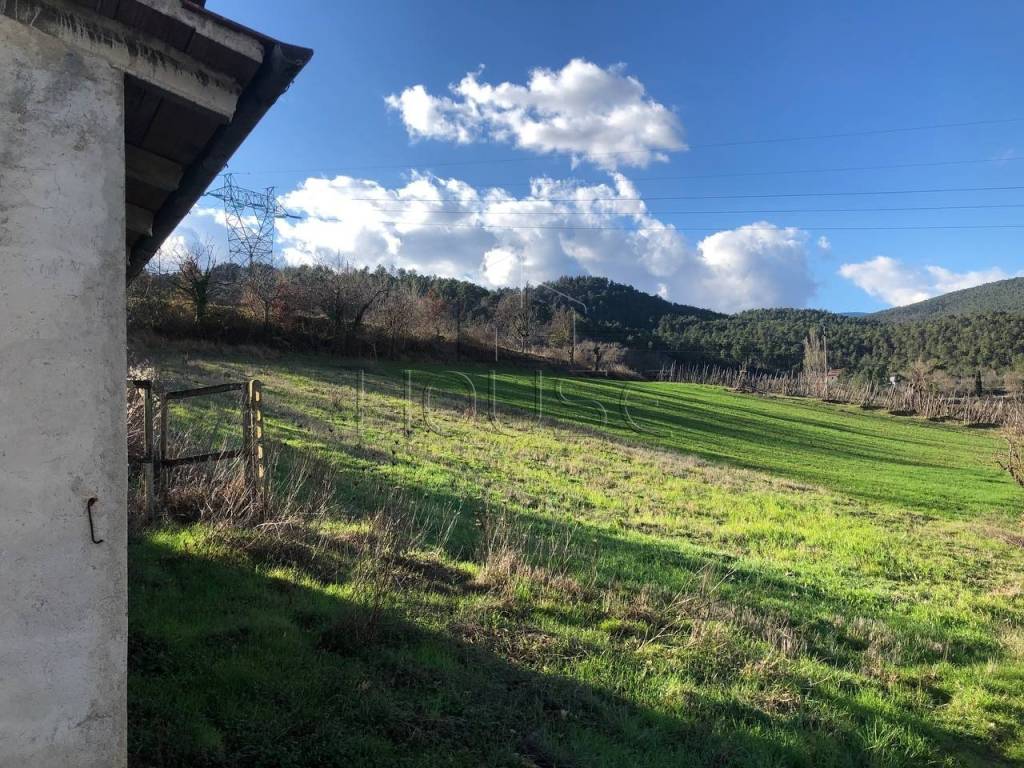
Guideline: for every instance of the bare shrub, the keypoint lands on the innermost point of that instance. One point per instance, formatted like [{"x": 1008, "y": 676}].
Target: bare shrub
[
  {"x": 1013, "y": 432},
  {"x": 502, "y": 553},
  {"x": 925, "y": 392},
  {"x": 602, "y": 356},
  {"x": 135, "y": 414},
  {"x": 219, "y": 493}
]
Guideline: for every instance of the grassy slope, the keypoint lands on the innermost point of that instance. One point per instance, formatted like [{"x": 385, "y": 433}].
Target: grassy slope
[{"x": 868, "y": 607}]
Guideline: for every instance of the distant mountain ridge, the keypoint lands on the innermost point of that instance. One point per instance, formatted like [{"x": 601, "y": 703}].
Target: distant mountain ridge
[{"x": 999, "y": 296}]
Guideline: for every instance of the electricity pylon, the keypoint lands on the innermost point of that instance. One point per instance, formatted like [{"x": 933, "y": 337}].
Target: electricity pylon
[{"x": 249, "y": 216}]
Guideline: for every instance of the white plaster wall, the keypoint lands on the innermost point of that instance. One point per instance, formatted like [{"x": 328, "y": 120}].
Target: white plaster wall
[{"x": 63, "y": 599}]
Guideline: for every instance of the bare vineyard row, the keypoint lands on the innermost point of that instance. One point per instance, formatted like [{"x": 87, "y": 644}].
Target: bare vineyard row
[{"x": 902, "y": 397}]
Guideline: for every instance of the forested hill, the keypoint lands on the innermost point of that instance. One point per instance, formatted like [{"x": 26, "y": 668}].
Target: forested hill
[
  {"x": 622, "y": 305},
  {"x": 348, "y": 307},
  {"x": 772, "y": 339},
  {"x": 1000, "y": 296},
  {"x": 614, "y": 311}
]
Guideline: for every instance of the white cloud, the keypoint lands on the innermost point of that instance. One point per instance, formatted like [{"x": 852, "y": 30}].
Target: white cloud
[
  {"x": 945, "y": 280},
  {"x": 824, "y": 244},
  {"x": 175, "y": 243},
  {"x": 582, "y": 110},
  {"x": 757, "y": 265},
  {"x": 167, "y": 257},
  {"x": 499, "y": 266},
  {"x": 896, "y": 284},
  {"x": 446, "y": 227}
]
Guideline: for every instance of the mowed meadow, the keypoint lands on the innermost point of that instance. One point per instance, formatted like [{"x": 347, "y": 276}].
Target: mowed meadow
[{"x": 496, "y": 569}]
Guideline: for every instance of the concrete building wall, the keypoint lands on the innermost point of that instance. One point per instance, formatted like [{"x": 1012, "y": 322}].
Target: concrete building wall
[{"x": 63, "y": 605}]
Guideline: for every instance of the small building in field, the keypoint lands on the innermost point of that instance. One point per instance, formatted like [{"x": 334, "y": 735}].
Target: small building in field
[{"x": 115, "y": 115}]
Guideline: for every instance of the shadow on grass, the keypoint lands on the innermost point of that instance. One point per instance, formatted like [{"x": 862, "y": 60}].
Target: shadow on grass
[
  {"x": 231, "y": 665},
  {"x": 637, "y": 559}
]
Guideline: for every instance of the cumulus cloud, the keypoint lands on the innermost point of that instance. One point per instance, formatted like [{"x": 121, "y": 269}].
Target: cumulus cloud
[
  {"x": 896, "y": 283},
  {"x": 447, "y": 227},
  {"x": 582, "y": 110},
  {"x": 824, "y": 244},
  {"x": 757, "y": 265}
]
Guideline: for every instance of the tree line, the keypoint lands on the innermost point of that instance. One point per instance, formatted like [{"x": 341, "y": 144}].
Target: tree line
[
  {"x": 333, "y": 305},
  {"x": 774, "y": 340},
  {"x": 588, "y": 322}
]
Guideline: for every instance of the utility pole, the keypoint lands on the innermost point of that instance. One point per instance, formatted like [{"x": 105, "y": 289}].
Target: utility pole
[
  {"x": 495, "y": 342},
  {"x": 572, "y": 349},
  {"x": 824, "y": 341}
]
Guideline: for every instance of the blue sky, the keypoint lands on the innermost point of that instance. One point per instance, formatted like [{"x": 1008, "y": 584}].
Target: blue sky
[{"x": 410, "y": 183}]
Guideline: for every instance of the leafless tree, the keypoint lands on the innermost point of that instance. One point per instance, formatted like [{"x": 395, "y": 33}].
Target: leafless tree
[
  {"x": 346, "y": 295},
  {"x": 601, "y": 353},
  {"x": 370, "y": 290},
  {"x": 460, "y": 315},
  {"x": 1013, "y": 382},
  {"x": 815, "y": 355},
  {"x": 436, "y": 314},
  {"x": 920, "y": 374},
  {"x": 560, "y": 331},
  {"x": 265, "y": 287},
  {"x": 516, "y": 316},
  {"x": 397, "y": 316},
  {"x": 333, "y": 293}
]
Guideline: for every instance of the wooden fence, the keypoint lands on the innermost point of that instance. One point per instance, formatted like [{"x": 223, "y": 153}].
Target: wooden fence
[{"x": 157, "y": 461}]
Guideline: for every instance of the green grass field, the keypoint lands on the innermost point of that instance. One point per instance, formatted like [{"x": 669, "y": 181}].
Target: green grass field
[{"x": 661, "y": 575}]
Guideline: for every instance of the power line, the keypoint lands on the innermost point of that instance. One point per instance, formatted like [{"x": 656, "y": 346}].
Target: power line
[
  {"x": 785, "y": 172},
  {"x": 693, "y": 228},
  {"x": 483, "y": 212},
  {"x": 706, "y": 197},
  {"x": 690, "y": 177},
  {"x": 870, "y": 132},
  {"x": 707, "y": 145}
]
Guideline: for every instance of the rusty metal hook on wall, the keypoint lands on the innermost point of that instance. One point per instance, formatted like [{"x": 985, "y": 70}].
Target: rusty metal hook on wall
[{"x": 92, "y": 530}]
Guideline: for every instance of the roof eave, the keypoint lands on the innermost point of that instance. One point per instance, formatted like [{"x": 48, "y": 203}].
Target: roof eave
[{"x": 281, "y": 65}]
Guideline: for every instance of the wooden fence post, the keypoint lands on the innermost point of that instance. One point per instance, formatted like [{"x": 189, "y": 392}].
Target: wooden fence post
[
  {"x": 149, "y": 459},
  {"x": 252, "y": 453},
  {"x": 247, "y": 451},
  {"x": 161, "y": 471},
  {"x": 252, "y": 425}
]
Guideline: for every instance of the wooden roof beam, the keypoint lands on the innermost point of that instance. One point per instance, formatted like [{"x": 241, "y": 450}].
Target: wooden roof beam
[
  {"x": 138, "y": 220},
  {"x": 240, "y": 42},
  {"x": 152, "y": 169},
  {"x": 149, "y": 60}
]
